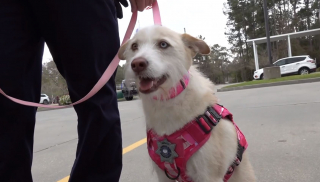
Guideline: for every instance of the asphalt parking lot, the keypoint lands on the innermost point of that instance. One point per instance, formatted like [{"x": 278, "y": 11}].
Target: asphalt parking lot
[{"x": 281, "y": 124}]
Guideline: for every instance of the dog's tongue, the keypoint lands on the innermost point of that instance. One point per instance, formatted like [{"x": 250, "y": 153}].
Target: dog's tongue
[{"x": 146, "y": 84}]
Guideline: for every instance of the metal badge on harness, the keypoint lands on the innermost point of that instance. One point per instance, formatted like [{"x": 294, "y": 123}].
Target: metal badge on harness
[{"x": 166, "y": 151}]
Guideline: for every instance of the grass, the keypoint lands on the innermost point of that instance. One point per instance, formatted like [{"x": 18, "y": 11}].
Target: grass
[{"x": 287, "y": 78}]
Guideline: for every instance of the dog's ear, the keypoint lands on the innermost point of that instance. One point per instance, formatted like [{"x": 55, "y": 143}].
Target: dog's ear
[
  {"x": 122, "y": 50},
  {"x": 196, "y": 45}
]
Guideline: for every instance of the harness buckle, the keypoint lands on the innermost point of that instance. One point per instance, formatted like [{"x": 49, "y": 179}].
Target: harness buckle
[
  {"x": 240, "y": 151},
  {"x": 213, "y": 121},
  {"x": 214, "y": 114},
  {"x": 204, "y": 124},
  {"x": 208, "y": 120}
]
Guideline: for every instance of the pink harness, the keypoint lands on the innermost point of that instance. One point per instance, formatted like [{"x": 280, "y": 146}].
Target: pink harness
[{"x": 171, "y": 152}]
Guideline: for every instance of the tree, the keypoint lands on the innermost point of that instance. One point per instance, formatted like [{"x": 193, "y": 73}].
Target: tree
[
  {"x": 119, "y": 74},
  {"x": 53, "y": 84},
  {"x": 214, "y": 65}
]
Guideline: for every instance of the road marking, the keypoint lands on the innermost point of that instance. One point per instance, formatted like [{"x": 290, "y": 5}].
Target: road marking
[
  {"x": 64, "y": 179},
  {"x": 133, "y": 146},
  {"x": 124, "y": 151}
]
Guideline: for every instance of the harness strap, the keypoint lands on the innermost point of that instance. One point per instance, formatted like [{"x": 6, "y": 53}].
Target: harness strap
[
  {"x": 188, "y": 140},
  {"x": 214, "y": 115}
]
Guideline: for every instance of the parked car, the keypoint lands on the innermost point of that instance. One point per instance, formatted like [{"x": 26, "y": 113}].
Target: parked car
[
  {"x": 44, "y": 99},
  {"x": 129, "y": 91},
  {"x": 303, "y": 64}
]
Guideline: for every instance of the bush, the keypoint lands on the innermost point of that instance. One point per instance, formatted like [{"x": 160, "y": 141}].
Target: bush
[
  {"x": 64, "y": 100},
  {"x": 318, "y": 69}
]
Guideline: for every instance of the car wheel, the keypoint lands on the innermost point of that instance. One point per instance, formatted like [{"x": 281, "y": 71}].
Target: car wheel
[
  {"x": 261, "y": 77},
  {"x": 304, "y": 71},
  {"x": 129, "y": 98},
  {"x": 45, "y": 102}
]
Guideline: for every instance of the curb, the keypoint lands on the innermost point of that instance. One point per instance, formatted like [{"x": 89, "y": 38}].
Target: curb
[{"x": 310, "y": 80}]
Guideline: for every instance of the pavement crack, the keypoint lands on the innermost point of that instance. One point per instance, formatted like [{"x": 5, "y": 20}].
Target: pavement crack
[{"x": 55, "y": 145}]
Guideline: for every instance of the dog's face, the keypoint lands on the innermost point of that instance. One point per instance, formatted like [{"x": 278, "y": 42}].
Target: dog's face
[{"x": 157, "y": 58}]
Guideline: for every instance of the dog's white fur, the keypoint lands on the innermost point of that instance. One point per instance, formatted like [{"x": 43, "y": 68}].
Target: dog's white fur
[{"x": 209, "y": 163}]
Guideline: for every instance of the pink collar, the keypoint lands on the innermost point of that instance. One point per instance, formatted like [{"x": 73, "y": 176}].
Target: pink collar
[{"x": 175, "y": 91}]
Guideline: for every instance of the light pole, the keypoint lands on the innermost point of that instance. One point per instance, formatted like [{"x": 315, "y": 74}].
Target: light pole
[{"x": 266, "y": 21}]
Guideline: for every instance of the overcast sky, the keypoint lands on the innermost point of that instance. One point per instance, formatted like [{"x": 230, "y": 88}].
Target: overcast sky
[{"x": 199, "y": 17}]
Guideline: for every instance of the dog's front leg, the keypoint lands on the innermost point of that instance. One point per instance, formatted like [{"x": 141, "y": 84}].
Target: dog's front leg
[{"x": 161, "y": 175}]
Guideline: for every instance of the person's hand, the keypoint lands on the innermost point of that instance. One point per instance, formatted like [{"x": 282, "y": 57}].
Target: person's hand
[{"x": 140, "y": 5}]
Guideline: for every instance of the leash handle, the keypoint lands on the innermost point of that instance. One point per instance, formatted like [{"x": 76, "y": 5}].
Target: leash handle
[{"x": 108, "y": 72}]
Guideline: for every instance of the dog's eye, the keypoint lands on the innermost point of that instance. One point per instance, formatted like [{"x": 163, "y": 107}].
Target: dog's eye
[
  {"x": 134, "y": 46},
  {"x": 163, "y": 44}
]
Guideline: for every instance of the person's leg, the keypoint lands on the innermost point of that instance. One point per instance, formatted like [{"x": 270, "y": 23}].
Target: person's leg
[
  {"x": 21, "y": 50},
  {"x": 83, "y": 39}
]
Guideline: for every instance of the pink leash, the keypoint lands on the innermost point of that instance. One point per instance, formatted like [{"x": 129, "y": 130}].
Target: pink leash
[{"x": 109, "y": 71}]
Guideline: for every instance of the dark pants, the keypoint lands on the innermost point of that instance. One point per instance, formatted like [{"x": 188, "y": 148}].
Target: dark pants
[{"x": 82, "y": 36}]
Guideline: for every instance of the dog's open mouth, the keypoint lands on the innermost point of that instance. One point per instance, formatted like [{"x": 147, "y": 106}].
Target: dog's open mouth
[{"x": 148, "y": 85}]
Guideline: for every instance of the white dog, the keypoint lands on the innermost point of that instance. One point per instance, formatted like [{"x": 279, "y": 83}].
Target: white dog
[{"x": 178, "y": 105}]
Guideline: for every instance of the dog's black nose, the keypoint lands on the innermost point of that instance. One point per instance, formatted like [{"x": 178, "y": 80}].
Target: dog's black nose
[{"x": 139, "y": 64}]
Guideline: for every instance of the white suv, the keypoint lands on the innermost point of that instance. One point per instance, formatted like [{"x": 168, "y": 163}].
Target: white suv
[
  {"x": 44, "y": 99},
  {"x": 292, "y": 65}
]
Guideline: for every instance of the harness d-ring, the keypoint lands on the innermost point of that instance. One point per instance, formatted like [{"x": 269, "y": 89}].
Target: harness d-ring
[{"x": 165, "y": 171}]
